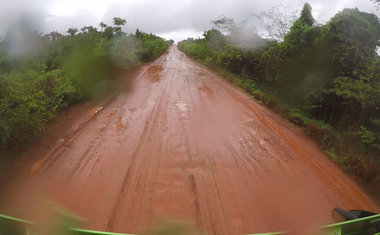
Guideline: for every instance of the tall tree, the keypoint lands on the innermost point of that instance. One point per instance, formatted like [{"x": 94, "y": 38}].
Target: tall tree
[
  {"x": 72, "y": 31},
  {"x": 138, "y": 34},
  {"x": 223, "y": 24},
  {"x": 89, "y": 29},
  {"x": 306, "y": 16},
  {"x": 54, "y": 35},
  {"x": 377, "y": 3},
  {"x": 279, "y": 19},
  {"x": 102, "y": 25},
  {"x": 119, "y": 21}
]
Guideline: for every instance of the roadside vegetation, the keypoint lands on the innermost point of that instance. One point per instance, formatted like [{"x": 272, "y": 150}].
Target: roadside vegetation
[
  {"x": 43, "y": 73},
  {"x": 323, "y": 78}
]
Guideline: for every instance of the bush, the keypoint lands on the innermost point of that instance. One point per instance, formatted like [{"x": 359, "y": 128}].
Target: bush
[{"x": 60, "y": 71}]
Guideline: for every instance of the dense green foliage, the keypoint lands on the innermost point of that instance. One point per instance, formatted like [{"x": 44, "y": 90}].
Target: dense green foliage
[
  {"x": 323, "y": 78},
  {"x": 40, "y": 74}
]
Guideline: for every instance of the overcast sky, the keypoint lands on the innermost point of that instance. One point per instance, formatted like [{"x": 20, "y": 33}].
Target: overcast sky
[{"x": 176, "y": 19}]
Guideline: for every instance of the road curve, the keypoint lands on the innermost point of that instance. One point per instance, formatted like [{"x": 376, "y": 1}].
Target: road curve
[{"x": 185, "y": 144}]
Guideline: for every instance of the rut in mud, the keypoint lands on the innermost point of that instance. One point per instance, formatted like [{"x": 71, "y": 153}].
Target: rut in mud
[{"x": 184, "y": 144}]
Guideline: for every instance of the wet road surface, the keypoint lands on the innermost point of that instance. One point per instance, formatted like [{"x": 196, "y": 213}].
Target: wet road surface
[{"x": 184, "y": 144}]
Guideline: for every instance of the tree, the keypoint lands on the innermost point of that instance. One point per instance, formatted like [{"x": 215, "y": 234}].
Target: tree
[
  {"x": 108, "y": 32},
  {"x": 72, "y": 31},
  {"x": 301, "y": 33},
  {"x": 215, "y": 39},
  {"x": 278, "y": 20},
  {"x": 102, "y": 25},
  {"x": 89, "y": 29},
  {"x": 376, "y": 3},
  {"x": 54, "y": 35},
  {"x": 223, "y": 24},
  {"x": 357, "y": 93},
  {"x": 352, "y": 37},
  {"x": 306, "y": 16},
  {"x": 138, "y": 34},
  {"x": 119, "y": 21}
]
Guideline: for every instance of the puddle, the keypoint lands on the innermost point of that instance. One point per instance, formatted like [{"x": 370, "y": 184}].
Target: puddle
[
  {"x": 182, "y": 106},
  {"x": 154, "y": 73}
]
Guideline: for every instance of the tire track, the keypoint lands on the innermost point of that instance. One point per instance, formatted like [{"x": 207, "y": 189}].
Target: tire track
[{"x": 131, "y": 169}]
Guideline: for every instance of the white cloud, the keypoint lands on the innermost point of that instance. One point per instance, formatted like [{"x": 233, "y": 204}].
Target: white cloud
[
  {"x": 70, "y": 7},
  {"x": 15, "y": 11},
  {"x": 168, "y": 18},
  {"x": 77, "y": 20},
  {"x": 181, "y": 34}
]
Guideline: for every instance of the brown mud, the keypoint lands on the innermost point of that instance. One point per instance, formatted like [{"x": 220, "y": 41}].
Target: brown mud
[{"x": 182, "y": 143}]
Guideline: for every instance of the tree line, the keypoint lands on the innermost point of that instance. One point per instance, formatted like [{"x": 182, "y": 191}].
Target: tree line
[
  {"x": 324, "y": 78},
  {"x": 43, "y": 73}
]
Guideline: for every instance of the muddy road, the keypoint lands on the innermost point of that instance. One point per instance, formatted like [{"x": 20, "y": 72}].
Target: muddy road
[{"x": 183, "y": 144}]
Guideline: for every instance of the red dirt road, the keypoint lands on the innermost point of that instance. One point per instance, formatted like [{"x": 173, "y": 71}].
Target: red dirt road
[{"x": 185, "y": 144}]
